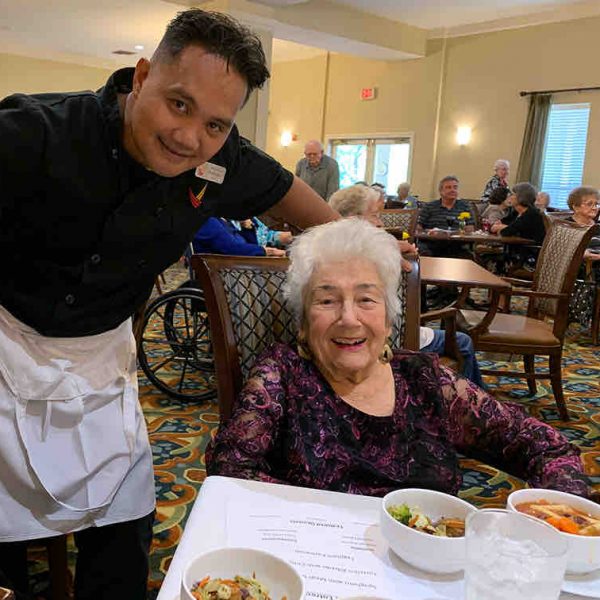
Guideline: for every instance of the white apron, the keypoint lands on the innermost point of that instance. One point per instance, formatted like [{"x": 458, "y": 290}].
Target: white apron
[{"x": 74, "y": 449}]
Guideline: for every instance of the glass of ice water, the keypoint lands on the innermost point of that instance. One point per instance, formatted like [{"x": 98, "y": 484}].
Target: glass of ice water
[{"x": 511, "y": 555}]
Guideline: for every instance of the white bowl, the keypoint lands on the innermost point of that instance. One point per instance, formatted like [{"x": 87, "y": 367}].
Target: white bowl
[
  {"x": 276, "y": 574},
  {"x": 584, "y": 551},
  {"x": 427, "y": 552}
]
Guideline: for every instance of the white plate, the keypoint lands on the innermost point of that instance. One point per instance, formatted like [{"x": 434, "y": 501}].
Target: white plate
[{"x": 587, "y": 585}]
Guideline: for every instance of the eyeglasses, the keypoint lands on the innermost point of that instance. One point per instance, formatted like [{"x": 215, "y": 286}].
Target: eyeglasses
[{"x": 590, "y": 204}]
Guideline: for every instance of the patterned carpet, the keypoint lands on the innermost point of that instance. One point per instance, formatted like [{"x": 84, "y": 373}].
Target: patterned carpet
[{"x": 179, "y": 431}]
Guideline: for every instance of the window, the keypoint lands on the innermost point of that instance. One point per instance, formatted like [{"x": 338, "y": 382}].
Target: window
[
  {"x": 382, "y": 160},
  {"x": 564, "y": 151}
]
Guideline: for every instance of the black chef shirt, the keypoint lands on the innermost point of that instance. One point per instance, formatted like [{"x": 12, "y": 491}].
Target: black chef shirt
[{"x": 84, "y": 229}]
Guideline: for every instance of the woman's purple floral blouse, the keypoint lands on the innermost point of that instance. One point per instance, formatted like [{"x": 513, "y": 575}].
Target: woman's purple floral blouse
[{"x": 289, "y": 426}]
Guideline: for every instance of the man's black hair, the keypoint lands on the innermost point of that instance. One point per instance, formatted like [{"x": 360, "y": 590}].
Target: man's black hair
[
  {"x": 221, "y": 35},
  {"x": 499, "y": 195}
]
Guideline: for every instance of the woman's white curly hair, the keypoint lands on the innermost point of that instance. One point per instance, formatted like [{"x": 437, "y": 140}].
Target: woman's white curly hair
[{"x": 343, "y": 240}]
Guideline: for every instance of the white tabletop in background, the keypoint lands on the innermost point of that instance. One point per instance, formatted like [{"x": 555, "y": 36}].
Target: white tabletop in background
[{"x": 206, "y": 526}]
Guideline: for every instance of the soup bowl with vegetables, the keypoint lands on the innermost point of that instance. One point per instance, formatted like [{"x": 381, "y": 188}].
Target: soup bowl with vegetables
[
  {"x": 576, "y": 518},
  {"x": 425, "y": 528},
  {"x": 240, "y": 574}
]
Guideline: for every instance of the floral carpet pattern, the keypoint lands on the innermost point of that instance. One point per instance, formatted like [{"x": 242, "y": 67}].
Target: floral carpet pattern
[{"x": 179, "y": 431}]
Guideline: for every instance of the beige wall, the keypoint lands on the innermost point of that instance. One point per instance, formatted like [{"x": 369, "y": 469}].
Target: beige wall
[
  {"x": 481, "y": 82},
  {"x": 31, "y": 75},
  {"x": 296, "y": 104}
]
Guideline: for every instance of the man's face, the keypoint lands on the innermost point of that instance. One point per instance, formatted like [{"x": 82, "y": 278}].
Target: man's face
[
  {"x": 180, "y": 113},
  {"x": 449, "y": 191},
  {"x": 313, "y": 154}
]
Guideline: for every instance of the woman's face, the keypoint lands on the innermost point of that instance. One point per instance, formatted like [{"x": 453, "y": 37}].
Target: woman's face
[
  {"x": 502, "y": 171},
  {"x": 345, "y": 318},
  {"x": 511, "y": 200},
  {"x": 588, "y": 207}
]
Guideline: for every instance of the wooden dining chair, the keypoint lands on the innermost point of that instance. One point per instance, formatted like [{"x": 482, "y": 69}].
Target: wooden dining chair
[
  {"x": 548, "y": 296},
  {"x": 247, "y": 313},
  {"x": 400, "y": 219},
  {"x": 475, "y": 213}
]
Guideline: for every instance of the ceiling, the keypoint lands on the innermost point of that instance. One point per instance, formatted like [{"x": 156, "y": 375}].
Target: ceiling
[
  {"x": 88, "y": 31},
  {"x": 437, "y": 14}
]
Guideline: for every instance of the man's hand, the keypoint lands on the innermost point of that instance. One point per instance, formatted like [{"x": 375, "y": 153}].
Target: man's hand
[
  {"x": 407, "y": 248},
  {"x": 274, "y": 251},
  {"x": 284, "y": 237},
  {"x": 498, "y": 227}
]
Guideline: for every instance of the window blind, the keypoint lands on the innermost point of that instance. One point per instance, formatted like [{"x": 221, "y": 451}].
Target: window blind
[{"x": 564, "y": 151}]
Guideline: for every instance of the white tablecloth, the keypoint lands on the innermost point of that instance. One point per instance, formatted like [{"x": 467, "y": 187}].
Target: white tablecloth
[{"x": 206, "y": 528}]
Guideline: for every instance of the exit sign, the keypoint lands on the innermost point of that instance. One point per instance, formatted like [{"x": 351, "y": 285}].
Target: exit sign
[{"x": 368, "y": 93}]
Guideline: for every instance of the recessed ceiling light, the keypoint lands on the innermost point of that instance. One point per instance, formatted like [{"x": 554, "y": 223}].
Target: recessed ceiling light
[
  {"x": 138, "y": 47},
  {"x": 123, "y": 52}
]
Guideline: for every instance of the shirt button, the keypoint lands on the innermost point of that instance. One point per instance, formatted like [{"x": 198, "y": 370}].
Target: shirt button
[
  {"x": 141, "y": 263},
  {"x": 70, "y": 299},
  {"x": 95, "y": 258},
  {"x": 158, "y": 211}
]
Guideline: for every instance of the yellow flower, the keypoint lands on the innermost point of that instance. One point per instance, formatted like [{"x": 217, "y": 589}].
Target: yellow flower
[
  {"x": 405, "y": 235},
  {"x": 464, "y": 216}
]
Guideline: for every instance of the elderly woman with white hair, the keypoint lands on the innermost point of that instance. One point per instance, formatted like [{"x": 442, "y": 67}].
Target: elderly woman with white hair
[
  {"x": 342, "y": 411},
  {"x": 498, "y": 179}
]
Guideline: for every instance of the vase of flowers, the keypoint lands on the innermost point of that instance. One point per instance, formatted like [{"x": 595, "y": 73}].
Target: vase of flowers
[{"x": 462, "y": 220}]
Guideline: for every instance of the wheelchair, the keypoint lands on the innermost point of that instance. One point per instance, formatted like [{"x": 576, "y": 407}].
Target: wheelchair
[{"x": 175, "y": 350}]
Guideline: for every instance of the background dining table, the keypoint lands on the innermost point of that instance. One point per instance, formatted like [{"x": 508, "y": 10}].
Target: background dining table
[{"x": 471, "y": 238}]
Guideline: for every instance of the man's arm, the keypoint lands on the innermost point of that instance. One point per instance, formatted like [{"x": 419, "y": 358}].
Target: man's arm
[{"x": 302, "y": 207}]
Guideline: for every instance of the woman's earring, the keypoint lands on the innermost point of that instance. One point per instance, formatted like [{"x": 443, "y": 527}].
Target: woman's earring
[
  {"x": 303, "y": 349},
  {"x": 386, "y": 354}
]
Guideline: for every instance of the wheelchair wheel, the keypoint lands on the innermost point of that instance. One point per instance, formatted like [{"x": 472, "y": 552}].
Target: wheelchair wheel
[{"x": 175, "y": 351}]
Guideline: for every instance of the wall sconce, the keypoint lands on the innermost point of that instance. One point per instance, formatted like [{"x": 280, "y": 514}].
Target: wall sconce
[
  {"x": 286, "y": 138},
  {"x": 463, "y": 135}
]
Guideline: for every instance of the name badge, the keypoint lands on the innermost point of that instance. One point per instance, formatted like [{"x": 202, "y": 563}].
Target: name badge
[{"x": 211, "y": 172}]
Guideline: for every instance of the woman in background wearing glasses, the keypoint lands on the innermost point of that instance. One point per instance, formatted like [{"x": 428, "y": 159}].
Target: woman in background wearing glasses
[{"x": 584, "y": 202}]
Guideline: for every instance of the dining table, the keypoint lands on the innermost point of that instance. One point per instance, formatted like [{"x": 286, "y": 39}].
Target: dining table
[
  {"x": 462, "y": 272},
  {"x": 475, "y": 237},
  {"x": 322, "y": 534}
]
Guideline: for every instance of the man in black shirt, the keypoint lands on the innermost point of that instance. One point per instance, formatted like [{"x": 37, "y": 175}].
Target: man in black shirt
[{"x": 100, "y": 193}]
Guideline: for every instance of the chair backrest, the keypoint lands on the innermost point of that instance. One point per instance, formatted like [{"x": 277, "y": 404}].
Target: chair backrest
[
  {"x": 556, "y": 270},
  {"x": 247, "y": 313},
  {"x": 399, "y": 218},
  {"x": 475, "y": 212}
]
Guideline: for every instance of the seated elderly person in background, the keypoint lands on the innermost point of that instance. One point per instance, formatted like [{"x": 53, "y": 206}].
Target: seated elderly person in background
[
  {"x": 497, "y": 208},
  {"x": 220, "y": 236},
  {"x": 380, "y": 189},
  {"x": 342, "y": 411},
  {"x": 361, "y": 200},
  {"x": 498, "y": 180},
  {"x": 443, "y": 214},
  {"x": 542, "y": 202},
  {"x": 526, "y": 221},
  {"x": 351, "y": 202},
  {"x": 404, "y": 199},
  {"x": 584, "y": 201}
]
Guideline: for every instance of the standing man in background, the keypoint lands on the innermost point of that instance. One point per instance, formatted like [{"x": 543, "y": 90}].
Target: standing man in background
[{"x": 319, "y": 171}]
